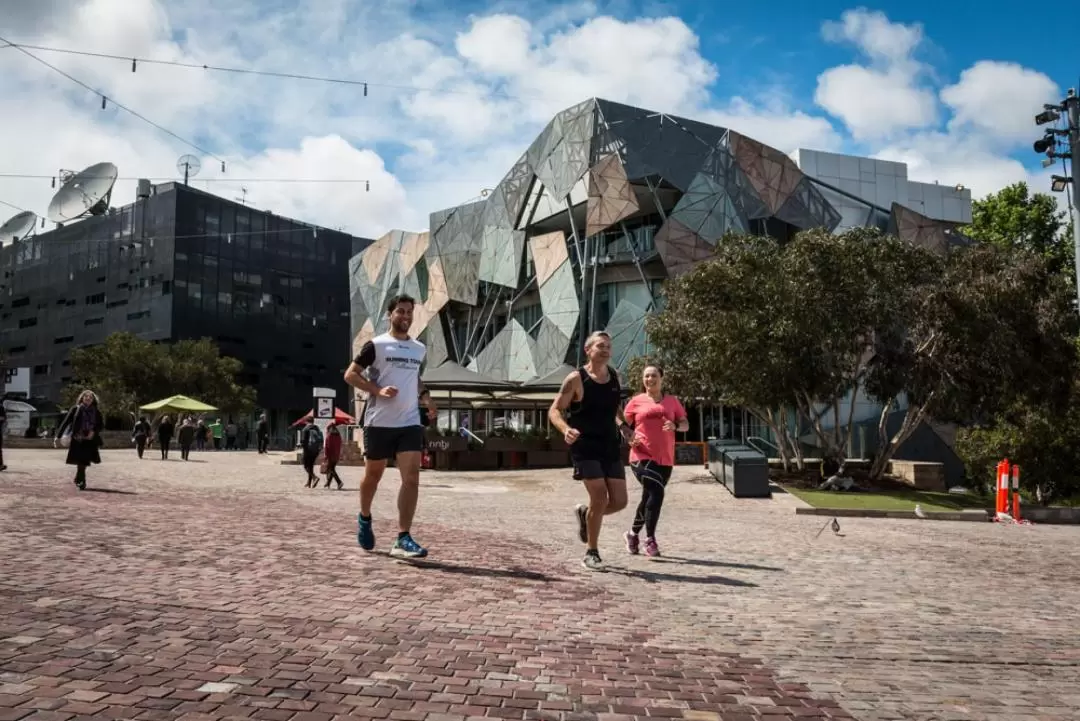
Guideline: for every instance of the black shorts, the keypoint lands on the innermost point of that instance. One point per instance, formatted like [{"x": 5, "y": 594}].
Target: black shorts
[
  {"x": 588, "y": 466},
  {"x": 382, "y": 444}
]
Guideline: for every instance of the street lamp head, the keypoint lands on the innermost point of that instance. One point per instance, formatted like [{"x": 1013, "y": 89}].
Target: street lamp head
[
  {"x": 1047, "y": 116},
  {"x": 1044, "y": 144},
  {"x": 1058, "y": 183}
]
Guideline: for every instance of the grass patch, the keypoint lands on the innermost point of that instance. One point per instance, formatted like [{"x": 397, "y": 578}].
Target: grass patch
[{"x": 900, "y": 499}]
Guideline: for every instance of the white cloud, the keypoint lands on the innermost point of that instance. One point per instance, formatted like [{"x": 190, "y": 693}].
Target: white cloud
[
  {"x": 875, "y": 103},
  {"x": 999, "y": 99},
  {"x": 494, "y": 80},
  {"x": 776, "y": 125},
  {"x": 875, "y": 35},
  {"x": 885, "y": 97}
]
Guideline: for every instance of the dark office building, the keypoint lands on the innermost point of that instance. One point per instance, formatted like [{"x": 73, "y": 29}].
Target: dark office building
[{"x": 181, "y": 263}]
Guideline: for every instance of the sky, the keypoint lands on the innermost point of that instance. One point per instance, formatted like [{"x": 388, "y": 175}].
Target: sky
[{"x": 457, "y": 91}]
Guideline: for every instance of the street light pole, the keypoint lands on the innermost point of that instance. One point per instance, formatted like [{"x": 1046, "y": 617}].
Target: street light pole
[
  {"x": 1072, "y": 108},
  {"x": 1049, "y": 145}
]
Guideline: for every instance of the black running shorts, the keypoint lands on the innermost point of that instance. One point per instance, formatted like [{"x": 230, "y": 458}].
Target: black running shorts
[
  {"x": 382, "y": 444},
  {"x": 590, "y": 463}
]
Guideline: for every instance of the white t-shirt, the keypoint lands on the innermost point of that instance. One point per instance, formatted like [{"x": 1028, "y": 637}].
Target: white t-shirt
[{"x": 393, "y": 362}]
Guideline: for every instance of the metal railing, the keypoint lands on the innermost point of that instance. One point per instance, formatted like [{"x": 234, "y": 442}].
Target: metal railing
[{"x": 750, "y": 440}]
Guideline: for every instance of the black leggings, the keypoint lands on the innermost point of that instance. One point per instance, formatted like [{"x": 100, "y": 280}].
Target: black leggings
[
  {"x": 164, "y": 443},
  {"x": 653, "y": 478}
]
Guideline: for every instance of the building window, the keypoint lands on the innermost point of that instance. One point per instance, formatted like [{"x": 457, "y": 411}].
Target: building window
[
  {"x": 138, "y": 315},
  {"x": 95, "y": 299},
  {"x": 28, "y": 322},
  {"x": 20, "y": 302},
  {"x": 63, "y": 339},
  {"x": 93, "y": 321},
  {"x": 42, "y": 370},
  {"x": 17, "y": 350}
]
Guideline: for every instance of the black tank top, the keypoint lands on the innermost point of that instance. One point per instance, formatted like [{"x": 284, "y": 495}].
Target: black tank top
[{"x": 594, "y": 415}]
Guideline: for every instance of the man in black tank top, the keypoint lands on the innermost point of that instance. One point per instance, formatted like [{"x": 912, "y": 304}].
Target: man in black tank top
[{"x": 588, "y": 412}]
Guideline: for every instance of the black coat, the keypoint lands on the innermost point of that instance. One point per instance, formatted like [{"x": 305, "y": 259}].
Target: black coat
[{"x": 83, "y": 451}]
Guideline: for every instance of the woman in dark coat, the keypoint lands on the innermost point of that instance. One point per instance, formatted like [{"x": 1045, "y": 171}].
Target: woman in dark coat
[
  {"x": 165, "y": 430},
  {"x": 84, "y": 423}
]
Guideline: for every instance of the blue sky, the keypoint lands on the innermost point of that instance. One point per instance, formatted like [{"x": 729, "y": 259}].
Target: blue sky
[{"x": 947, "y": 87}]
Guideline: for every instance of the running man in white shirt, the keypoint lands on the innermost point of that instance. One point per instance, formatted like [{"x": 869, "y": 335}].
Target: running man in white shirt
[{"x": 393, "y": 427}]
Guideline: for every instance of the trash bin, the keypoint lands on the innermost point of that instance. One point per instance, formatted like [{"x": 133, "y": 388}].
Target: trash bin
[
  {"x": 746, "y": 473},
  {"x": 715, "y": 453}
]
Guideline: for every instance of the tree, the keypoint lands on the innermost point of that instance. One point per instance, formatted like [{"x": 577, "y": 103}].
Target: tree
[
  {"x": 126, "y": 371},
  {"x": 1043, "y": 439},
  {"x": 788, "y": 331},
  {"x": 994, "y": 330},
  {"x": 1016, "y": 218},
  {"x": 783, "y": 330}
]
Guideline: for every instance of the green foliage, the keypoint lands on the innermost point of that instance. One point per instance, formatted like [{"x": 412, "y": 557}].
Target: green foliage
[
  {"x": 773, "y": 327},
  {"x": 126, "y": 372},
  {"x": 1043, "y": 439},
  {"x": 1016, "y": 218},
  {"x": 995, "y": 328}
]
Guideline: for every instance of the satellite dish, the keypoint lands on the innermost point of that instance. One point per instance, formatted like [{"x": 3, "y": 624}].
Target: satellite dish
[
  {"x": 18, "y": 227},
  {"x": 85, "y": 193},
  {"x": 189, "y": 165}
]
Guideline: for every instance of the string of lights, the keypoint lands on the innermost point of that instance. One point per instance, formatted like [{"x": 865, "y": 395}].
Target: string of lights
[
  {"x": 105, "y": 100},
  {"x": 363, "y": 84},
  {"x": 166, "y": 179},
  {"x": 12, "y": 205}
]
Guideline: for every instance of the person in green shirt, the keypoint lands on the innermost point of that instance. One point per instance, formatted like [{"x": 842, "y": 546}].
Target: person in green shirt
[{"x": 218, "y": 432}]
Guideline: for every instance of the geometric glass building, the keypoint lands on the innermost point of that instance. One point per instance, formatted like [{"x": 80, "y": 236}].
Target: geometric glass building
[{"x": 605, "y": 204}]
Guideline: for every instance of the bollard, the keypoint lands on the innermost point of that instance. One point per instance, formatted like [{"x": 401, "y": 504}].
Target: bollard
[
  {"x": 1016, "y": 493},
  {"x": 1002, "y": 498}
]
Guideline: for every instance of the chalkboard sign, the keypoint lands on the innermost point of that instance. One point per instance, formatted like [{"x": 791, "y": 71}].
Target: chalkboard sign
[{"x": 689, "y": 454}]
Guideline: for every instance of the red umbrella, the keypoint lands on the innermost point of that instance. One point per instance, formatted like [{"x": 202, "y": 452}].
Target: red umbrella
[{"x": 340, "y": 417}]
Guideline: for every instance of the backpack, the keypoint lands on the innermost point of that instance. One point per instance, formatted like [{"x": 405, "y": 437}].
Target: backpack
[{"x": 314, "y": 437}]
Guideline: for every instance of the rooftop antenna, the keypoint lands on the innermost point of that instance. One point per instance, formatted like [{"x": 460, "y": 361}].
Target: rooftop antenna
[
  {"x": 189, "y": 165},
  {"x": 87, "y": 192},
  {"x": 243, "y": 200},
  {"x": 18, "y": 227}
]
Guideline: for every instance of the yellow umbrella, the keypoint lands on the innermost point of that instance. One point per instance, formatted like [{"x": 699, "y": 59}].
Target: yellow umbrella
[{"x": 178, "y": 403}]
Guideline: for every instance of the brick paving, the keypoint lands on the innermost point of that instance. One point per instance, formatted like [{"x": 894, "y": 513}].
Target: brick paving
[{"x": 222, "y": 589}]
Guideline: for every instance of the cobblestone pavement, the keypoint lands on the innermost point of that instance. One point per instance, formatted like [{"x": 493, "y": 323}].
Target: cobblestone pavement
[{"x": 221, "y": 588}]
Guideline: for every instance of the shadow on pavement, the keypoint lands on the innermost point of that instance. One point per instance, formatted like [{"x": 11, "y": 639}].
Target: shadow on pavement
[
  {"x": 91, "y": 489},
  {"x": 655, "y": 577},
  {"x": 712, "y": 564},
  {"x": 519, "y": 573}
]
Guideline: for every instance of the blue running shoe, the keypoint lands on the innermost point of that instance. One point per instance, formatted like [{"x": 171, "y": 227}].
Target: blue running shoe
[
  {"x": 365, "y": 536},
  {"x": 406, "y": 547}
]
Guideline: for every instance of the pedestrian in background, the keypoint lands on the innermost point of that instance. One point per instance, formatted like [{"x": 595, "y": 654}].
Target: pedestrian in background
[
  {"x": 165, "y": 431},
  {"x": 82, "y": 426},
  {"x": 139, "y": 435},
  {"x": 185, "y": 437},
  {"x": 332, "y": 454}
]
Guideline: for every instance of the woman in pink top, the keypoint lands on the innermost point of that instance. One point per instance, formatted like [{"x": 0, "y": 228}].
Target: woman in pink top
[{"x": 655, "y": 418}]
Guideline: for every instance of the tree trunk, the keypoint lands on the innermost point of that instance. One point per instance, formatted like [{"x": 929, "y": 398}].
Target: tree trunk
[
  {"x": 796, "y": 444},
  {"x": 914, "y": 416},
  {"x": 827, "y": 441},
  {"x": 773, "y": 419}
]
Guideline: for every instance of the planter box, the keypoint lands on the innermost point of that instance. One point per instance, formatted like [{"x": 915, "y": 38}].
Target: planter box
[
  {"x": 547, "y": 459},
  {"x": 445, "y": 444},
  {"x": 475, "y": 461},
  {"x": 924, "y": 476},
  {"x": 496, "y": 444}
]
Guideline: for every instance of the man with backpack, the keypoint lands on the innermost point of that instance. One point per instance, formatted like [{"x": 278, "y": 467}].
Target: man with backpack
[{"x": 311, "y": 443}]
